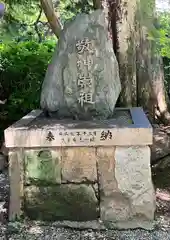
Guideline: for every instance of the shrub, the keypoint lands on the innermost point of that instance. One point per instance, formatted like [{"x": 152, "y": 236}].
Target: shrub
[
  {"x": 166, "y": 62},
  {"x": 22, "y": 70}
]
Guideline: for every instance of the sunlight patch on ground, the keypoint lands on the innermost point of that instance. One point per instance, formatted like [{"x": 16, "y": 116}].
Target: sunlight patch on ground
[{"x": 35, "y": 230}]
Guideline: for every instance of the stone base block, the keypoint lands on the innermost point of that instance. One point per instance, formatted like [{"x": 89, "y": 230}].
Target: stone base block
[
  {"x": 62, "y": 202},
  {"x": 74, "y": 171},
  {"x": 131, "y": 224},
  {"x": 131, "y": 199},
  {"x": 42, "y": 166}
]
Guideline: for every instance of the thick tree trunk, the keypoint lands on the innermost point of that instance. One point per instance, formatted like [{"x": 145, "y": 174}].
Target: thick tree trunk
[
  {"x": 150, "y": 74},
  {"x": 141, "y": 69},
  {"x": 123, "y": 24}
]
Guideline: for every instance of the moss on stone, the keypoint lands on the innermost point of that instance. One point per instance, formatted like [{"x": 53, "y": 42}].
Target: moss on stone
[
  {"x": 42, "y": 166},
  {"x": 62, "y": 202}
]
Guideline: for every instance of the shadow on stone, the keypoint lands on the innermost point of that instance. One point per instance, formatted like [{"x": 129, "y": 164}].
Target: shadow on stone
[{"x": 62, "y": 202}]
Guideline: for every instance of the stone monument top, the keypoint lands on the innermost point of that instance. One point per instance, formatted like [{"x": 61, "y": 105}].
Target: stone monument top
[{"x": 82, "y": 81}]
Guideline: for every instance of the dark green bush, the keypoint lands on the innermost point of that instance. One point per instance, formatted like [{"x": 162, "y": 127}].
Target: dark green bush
[{"x": 22, "y": 70}]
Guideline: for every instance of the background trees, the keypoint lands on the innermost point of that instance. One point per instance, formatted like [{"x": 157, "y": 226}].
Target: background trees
[
  {"x": 141, "y": 69},
  {"x": 29, "y": 32}
]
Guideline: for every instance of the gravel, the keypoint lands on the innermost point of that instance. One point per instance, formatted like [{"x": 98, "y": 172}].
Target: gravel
[
  {"x": 31, "y": 230},
  {"x": 49, "y": 232}
]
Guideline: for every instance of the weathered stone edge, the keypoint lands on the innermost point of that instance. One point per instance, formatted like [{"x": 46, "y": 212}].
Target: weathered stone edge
[
  {"x": 16, "y": 183},
  {"x": 37, "y": 138},
  {"x": 139, "y": 133},
  {"x": 23, "y": 122}
]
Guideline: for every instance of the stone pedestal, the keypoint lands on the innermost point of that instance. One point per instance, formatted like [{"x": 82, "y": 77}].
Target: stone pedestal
[{"x": 74, "y": 171}]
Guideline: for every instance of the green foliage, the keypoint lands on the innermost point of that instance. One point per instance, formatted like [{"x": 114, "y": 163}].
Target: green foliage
[
  {"x": 162, "y": 40},
  {"x": 19, "y": 20},
  {"x": 164, "y": 34},
  {"x": 166, "y": 62},
  {"x": 70, "y": 8},
  {"x": 23, "y": 66},
  {"x": 21, "y": 16},
  {"x": 23, "y": 61}
]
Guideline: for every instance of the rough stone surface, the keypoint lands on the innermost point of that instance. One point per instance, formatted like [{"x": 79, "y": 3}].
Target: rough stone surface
[
  {"x": 79, "y": 164},
  {"x": 115, "y": 208},
  {"x": 16, "y": 172},
  {"x": 43, "y": 166},
  {"x": 110, "y": 181},
  {"x": 62, "y": 202},
  {"x": 35, "y": 130},
  {"x": 106, "y": 170},
  {"x": 60, "y": 91},
  {"x": 68, "y": 229},
  {"x": 133, "y": 203}
]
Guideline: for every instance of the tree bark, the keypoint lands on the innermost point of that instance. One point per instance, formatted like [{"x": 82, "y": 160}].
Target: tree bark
[
  {"x": 51, "y": 16},
  {"x": 150, "y": 73},
  {"x": 124, "y": 13},
  {"x": 141, "y": 70}
]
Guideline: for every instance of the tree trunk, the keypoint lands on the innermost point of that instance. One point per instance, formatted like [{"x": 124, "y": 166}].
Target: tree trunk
[
  {"x": 51, "y": 16},
  {"x": 141, "y": 69},
  {"x": 122, "y": 19},
  {"x": 150, "y": 74}
]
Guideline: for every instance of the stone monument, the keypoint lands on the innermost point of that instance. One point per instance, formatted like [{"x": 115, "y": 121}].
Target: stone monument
[
  {"x": 82, "y": 80},
  {"x": 87, "y": 164}
]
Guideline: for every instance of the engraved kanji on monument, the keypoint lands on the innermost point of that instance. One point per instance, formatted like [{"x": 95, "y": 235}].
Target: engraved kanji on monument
[
  {"x": 85, "y": 78},
  {"x": 82, "y": 80}
]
